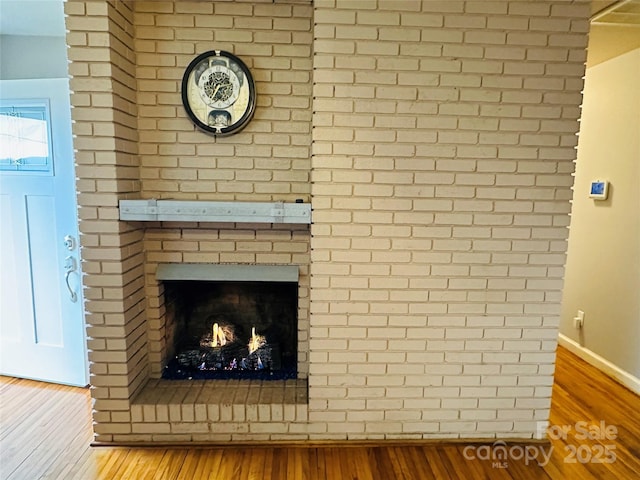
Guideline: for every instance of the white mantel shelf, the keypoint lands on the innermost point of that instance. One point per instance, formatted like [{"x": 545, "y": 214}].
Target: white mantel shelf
[{"x": 204, "y": 211}]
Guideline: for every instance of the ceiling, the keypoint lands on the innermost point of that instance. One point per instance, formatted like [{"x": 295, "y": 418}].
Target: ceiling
[
  {"x": 615, "y": 29},
  {"x": 622, "y": 12},
  {"x": 599, "y": 5}
]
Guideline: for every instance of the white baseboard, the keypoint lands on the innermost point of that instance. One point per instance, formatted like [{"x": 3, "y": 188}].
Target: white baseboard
[{"x": 630, "y": 381}]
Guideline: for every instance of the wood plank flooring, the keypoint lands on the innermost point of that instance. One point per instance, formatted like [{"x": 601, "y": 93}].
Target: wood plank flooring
[{"x": 45, "y": 431}]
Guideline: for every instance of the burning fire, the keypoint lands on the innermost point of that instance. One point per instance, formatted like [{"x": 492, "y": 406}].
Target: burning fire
[
  {"x": 256, "y": 341},
  {"x": 219, "y": 336},
  {"x": 222, "y": 350}
]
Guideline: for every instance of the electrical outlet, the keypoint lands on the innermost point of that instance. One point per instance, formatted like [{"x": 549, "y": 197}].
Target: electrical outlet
[{"x": 578, "y": 320}]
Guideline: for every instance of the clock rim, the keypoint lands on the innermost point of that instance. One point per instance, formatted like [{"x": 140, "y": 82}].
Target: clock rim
[{"x": 251, "y": 106}]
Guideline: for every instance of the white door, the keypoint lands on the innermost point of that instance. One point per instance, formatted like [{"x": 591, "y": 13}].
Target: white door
[{"x": 41, "y": 320}]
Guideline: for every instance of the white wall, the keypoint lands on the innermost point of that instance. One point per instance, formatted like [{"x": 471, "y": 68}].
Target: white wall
[
  {"x": 32, "y": 57},
  {"x": 603, "y": 264}
]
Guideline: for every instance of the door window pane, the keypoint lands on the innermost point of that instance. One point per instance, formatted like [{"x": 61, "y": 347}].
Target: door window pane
[{"x": 25, "y": 137}]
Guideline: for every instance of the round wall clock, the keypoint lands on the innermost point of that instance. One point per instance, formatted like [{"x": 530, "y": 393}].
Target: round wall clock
[{"x": 218, "y": 93}]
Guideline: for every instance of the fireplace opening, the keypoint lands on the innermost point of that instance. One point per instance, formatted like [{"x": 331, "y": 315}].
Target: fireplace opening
[{"x": 233, "y": 329}]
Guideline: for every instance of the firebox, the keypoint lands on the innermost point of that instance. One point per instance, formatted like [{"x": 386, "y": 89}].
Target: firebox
[{"x": 231, "y": 321}]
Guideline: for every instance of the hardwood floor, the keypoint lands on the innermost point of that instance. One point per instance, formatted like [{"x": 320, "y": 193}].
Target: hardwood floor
[{"x": 45, "y": 431}]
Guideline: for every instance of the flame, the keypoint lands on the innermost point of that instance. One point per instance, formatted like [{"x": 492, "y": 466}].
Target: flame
[
  {"x": 256, "y": 341},
  {"x": 218, "y": 336}
]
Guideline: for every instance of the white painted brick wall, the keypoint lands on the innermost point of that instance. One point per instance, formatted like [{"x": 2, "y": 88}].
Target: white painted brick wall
[
  {"x": 104, "y": 114},
  {"x": 443, "y": 141},
  {"x": 440, "y": 167},
  {"x": 270, "y": 159}
]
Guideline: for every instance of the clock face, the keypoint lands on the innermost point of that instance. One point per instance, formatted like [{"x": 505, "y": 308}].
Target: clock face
[{"x": 218, "y": 93}]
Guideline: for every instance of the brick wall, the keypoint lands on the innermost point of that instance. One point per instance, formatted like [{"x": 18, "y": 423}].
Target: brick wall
[
  {"x": 444, "y": 137},
  {"x": 134, "y": 140},
  {"x": 106, "y": 141},
  {"x": 439, "y": 172},
  {"x": 270, "y": 159}
]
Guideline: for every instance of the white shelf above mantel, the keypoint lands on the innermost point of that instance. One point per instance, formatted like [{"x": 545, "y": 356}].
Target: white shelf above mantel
[{"x": 205, "y": 211}]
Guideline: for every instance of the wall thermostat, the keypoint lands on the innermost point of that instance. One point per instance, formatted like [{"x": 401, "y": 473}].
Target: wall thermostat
[{"x": 599, "y": 190}]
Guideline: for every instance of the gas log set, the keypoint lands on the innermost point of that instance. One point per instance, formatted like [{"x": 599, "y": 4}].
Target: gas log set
[
  {"x": 233, "y": 330},
  {"x": 222, "y": 350}
]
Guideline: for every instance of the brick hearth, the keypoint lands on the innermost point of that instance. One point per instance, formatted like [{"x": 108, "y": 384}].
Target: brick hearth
[{"x": 220, "y": 411}]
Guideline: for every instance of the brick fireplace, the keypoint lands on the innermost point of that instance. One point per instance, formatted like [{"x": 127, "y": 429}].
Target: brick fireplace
[
  {"x": 233, "y": 322},
  {"x": 296, "y": 241},
  {"x": 435, "y": 143}
]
